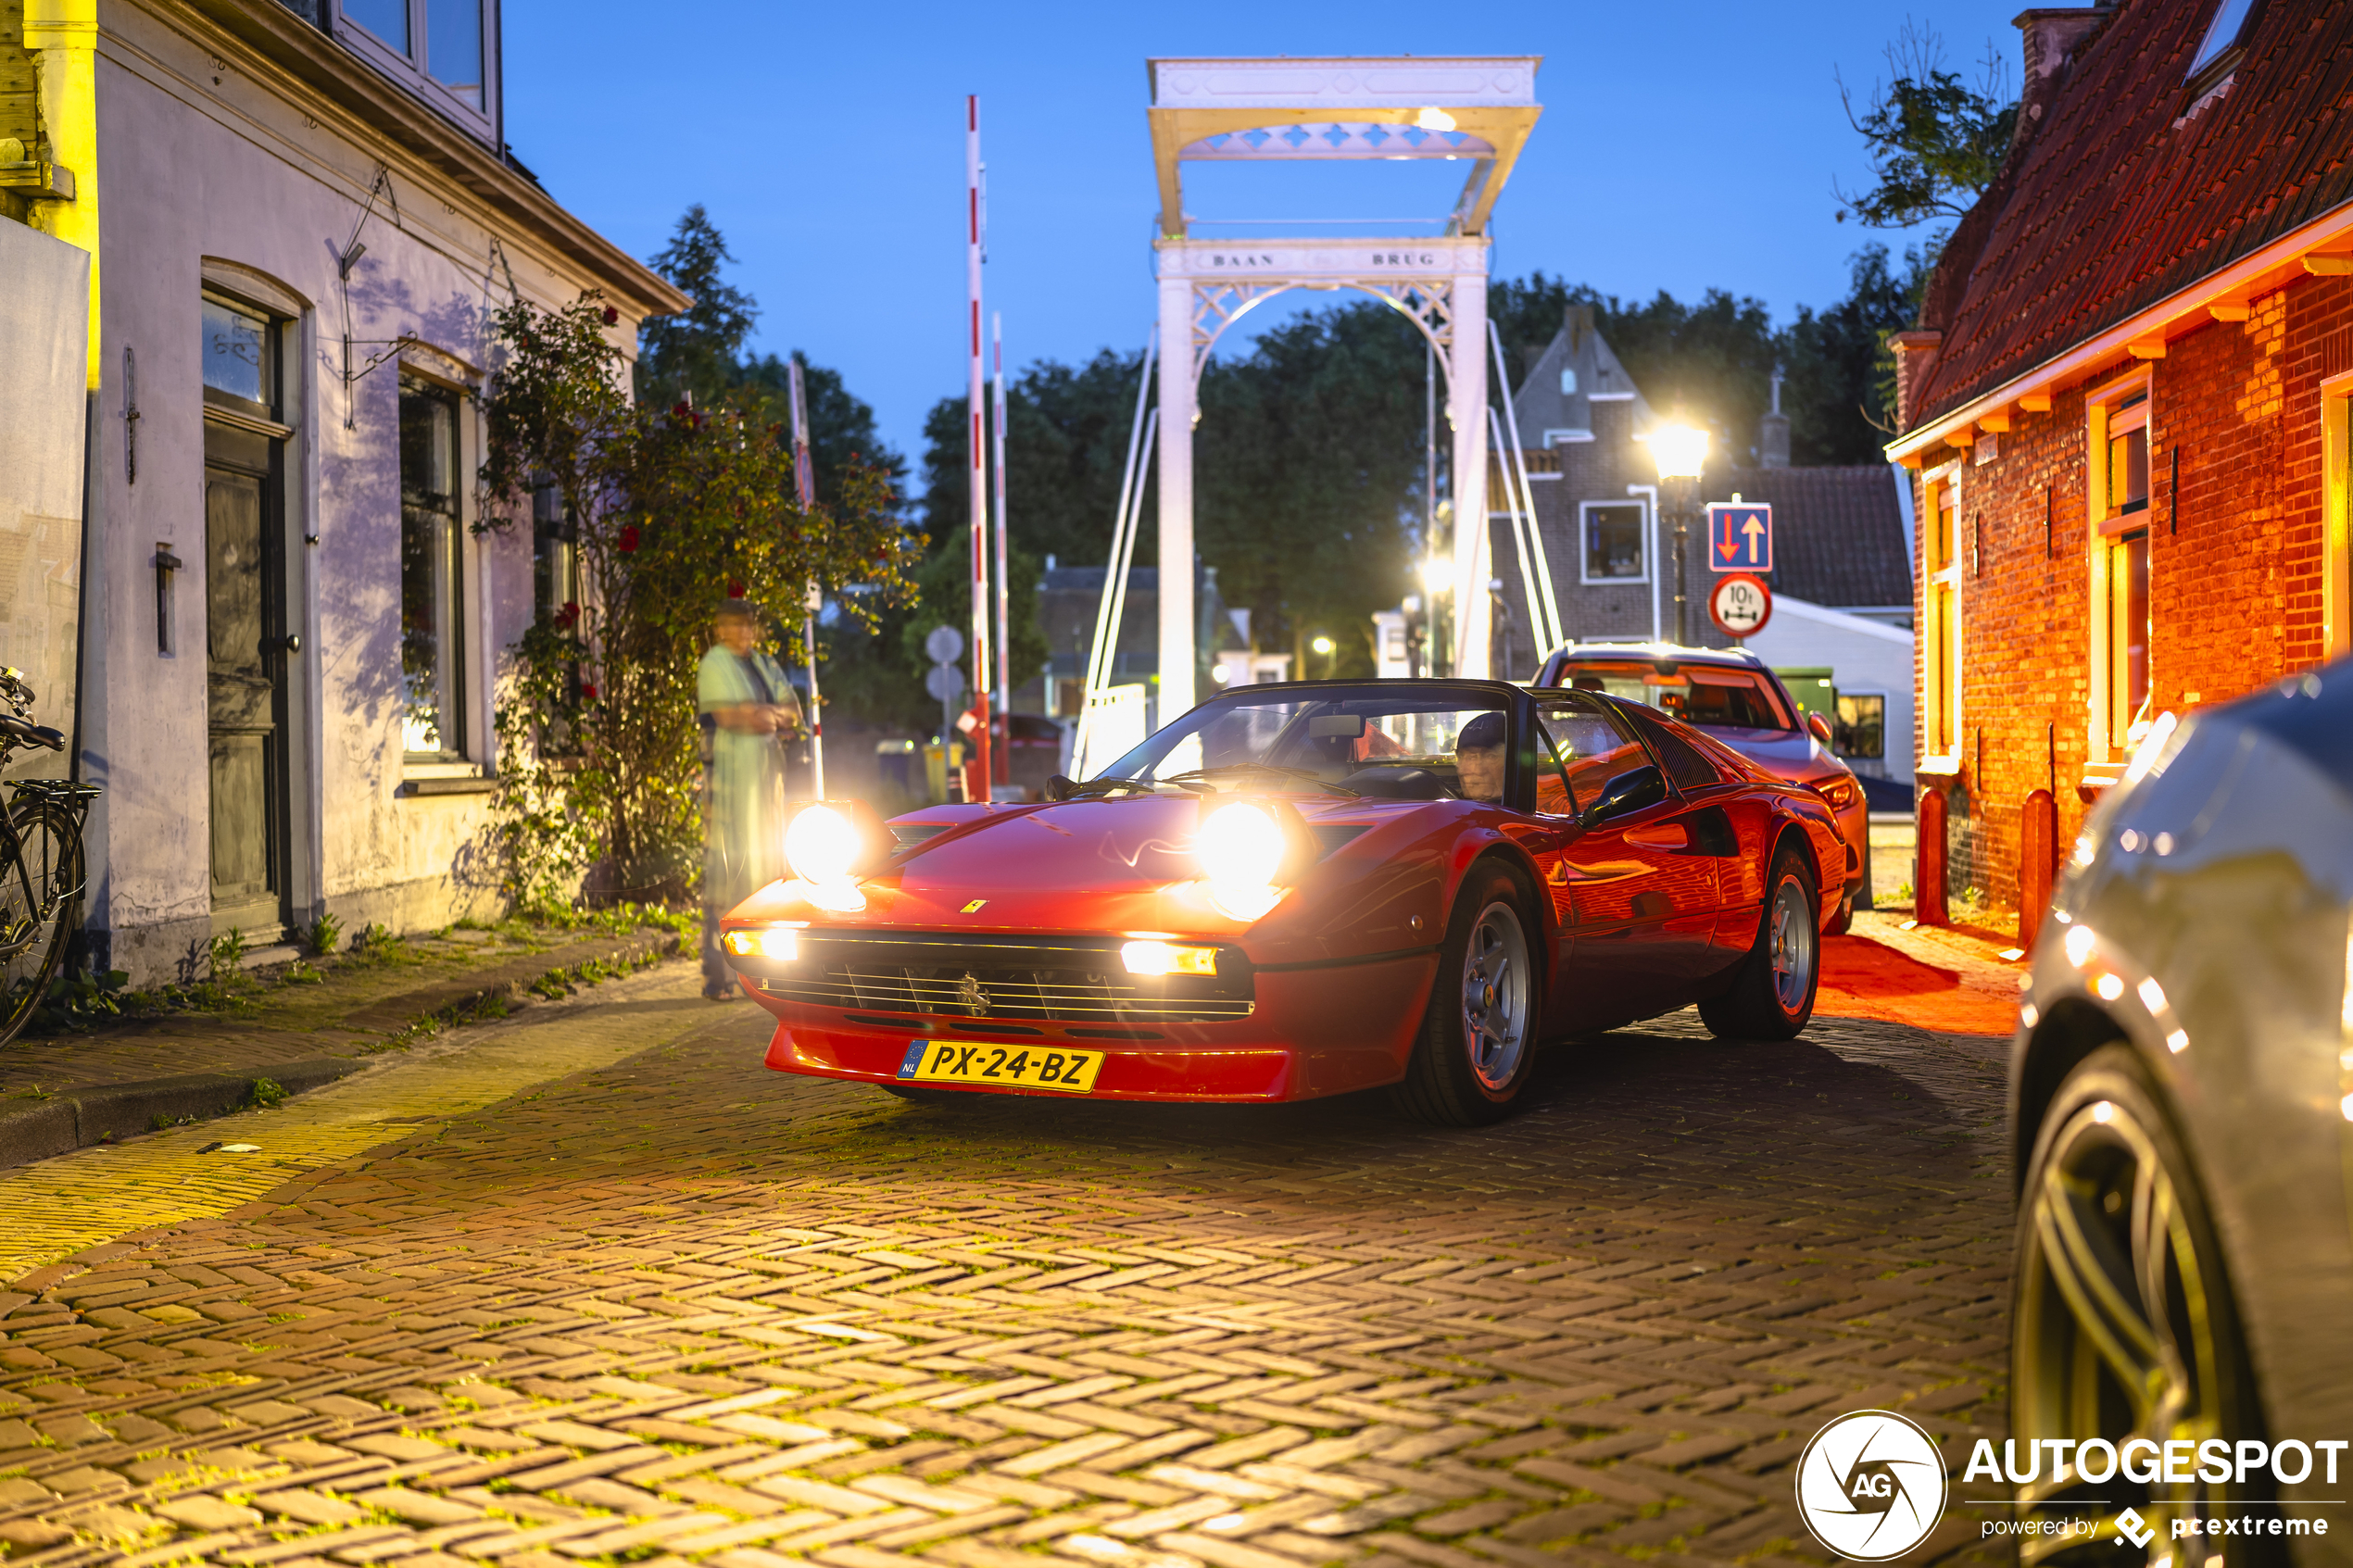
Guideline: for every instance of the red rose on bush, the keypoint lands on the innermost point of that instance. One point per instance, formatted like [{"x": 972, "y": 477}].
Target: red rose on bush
[
  {"x": 612, "y": 316},
  {"x": 627, "y": 539},
  {"x": 588, "y": 691}
]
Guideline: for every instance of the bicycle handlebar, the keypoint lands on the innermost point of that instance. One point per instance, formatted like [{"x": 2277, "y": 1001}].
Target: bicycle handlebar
[{"x": 24, "y": 733}]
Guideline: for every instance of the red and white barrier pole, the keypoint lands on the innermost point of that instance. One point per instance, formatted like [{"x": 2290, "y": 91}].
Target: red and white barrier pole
[
  {"x": 1005, "y": 579},
  {"x": 804, "y": 476},
  {"x": 977, "y": 478}
]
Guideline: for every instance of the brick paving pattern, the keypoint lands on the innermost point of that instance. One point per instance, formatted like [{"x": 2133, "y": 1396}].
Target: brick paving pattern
[{"x": 680, "y": 1309}]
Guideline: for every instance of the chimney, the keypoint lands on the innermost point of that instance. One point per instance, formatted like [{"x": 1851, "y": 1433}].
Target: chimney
[
  {"x": 1772, "y": 432},
  {"x": 1914, "y": 353},
  {"x": 2048, "y": 42}
]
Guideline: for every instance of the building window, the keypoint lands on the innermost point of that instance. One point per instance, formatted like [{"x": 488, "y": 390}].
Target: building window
[
  {"x": 2117, "y": 500},
  {"x": 1614, "y": 549},
  {"x": 1860, "y": 729},
  {"x": 432, "y": 621},
  {"x": 2128, "y": 638},
  {"x": 2218, "y": 53},
  {"x": 1942, "y": 600},
  {"x": 444, "y": 50}
]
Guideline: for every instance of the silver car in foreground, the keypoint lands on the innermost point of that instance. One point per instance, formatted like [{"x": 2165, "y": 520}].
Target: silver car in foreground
[{"x": 2181, "y": 1084}]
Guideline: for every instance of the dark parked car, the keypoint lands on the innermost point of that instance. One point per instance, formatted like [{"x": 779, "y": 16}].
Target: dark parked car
[{"x": 2180, "y": 1095}]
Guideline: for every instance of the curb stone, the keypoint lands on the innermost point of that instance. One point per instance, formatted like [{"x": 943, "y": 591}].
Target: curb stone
[
  {"x": 119, "y": 1111},
  {"x": 100, "y": 1113}
]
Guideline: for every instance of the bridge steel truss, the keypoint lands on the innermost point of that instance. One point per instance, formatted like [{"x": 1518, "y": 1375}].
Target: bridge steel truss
[{"x": 1477, "y": 111}]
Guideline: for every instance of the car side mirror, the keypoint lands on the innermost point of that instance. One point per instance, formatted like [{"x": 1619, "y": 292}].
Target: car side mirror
[
  {"x": 1627, "y": 792},
  {"x": 1820, "y": 726},
  {"x": 1060, "y": 789}
]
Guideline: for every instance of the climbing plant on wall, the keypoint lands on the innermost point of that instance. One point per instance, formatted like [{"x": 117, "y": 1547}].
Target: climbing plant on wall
[{"x": 670, "y": 510}]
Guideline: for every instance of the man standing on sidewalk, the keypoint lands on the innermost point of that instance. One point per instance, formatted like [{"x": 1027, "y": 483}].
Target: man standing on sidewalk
[{"x": 749, "y": 711}]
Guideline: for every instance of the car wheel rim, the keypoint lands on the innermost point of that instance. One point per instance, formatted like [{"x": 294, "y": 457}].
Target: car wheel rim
[
  {"x": 2117, "y": 1336},
  {"x": 1496, "y": 996},
  {"x": 1792, "y": 938}
]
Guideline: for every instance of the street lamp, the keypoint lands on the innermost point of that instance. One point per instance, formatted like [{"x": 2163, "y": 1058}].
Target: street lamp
[
  {"x": 1325, "y": 646},
  {"x": 1438, "y": 580},
  {"x": 1681, "y": 451}
]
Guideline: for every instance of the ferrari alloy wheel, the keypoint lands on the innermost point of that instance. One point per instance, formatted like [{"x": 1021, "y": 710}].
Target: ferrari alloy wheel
[
  {"x": 1495, "y": 993},
  {"x": 2121, "y": 1326},
  {"x": 1772, "y": 996},
  {"x": 1473, "y": 1057}
]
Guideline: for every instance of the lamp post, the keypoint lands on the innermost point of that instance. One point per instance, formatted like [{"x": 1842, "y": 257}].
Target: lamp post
[
  {"x": 1681, "y": 451},
  {"x": 1329, "y": 649}
]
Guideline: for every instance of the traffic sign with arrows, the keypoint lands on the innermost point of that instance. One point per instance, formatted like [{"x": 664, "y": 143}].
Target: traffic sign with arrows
[{"x": 1740, "y": 536}]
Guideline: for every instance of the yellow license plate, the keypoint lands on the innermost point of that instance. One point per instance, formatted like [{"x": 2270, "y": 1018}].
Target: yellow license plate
[{"x": 1012, "y": 1067}]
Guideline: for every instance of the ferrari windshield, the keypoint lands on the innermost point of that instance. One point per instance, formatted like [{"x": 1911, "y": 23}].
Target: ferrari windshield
[
  {"x": 1391, "y": 739},
  {"x": 1714, "y": 697}
]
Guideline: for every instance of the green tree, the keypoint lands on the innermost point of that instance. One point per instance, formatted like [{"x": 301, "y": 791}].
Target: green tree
[
  {"x": 842, "y": 437},
  {"x": 1933, "y": 140},
  {"x": 693, "y": 354},
  {"x": 1840, "y": 392},
  {"x": 1307, "y": 477}
]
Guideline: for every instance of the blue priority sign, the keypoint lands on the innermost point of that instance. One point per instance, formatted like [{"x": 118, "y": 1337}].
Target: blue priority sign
[{"x": 1740, "y": 536}]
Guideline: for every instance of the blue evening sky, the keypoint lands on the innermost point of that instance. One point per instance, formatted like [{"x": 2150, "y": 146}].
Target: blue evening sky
[{"x": 1683, "y": 146}]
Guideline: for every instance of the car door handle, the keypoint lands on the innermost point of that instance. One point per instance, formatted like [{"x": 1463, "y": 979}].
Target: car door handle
[
  {"x": 1564, "y": 871},
  {"x": 1659, "y": 836}
]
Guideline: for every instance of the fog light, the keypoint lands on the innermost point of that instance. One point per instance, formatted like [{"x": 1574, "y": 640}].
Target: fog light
[
  {"x": 775, "y": 942},
  {"x": 1163, "y": 958}
]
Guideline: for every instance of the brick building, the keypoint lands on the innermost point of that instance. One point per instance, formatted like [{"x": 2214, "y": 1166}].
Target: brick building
[{"x": 2126, "y": 405}]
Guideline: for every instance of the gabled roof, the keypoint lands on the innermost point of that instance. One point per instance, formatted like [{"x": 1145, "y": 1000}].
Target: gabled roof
[
  {"x": 2122, "y": 197},
  {"x": 1838, "y": 533},
  {"x": 1539, "y": 402}
]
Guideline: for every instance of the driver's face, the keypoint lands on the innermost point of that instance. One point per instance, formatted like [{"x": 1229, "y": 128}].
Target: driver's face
[{"x": 1481, "y": 767}]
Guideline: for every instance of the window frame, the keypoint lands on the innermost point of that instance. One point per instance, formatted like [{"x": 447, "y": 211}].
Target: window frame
[
  {"x": 1642, "y": 536},
  {"x": 414, "y": 70},
  {"x": 2337, "y": 515},
  {"x": 2106, "y": 411},
  {"x": 455, "y": 628},
  {"x": 2217, "y": 61},
  {"x": 1940, "y": 685}
]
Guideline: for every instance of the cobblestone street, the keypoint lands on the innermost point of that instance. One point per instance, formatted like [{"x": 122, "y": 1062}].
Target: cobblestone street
[{"x": 673, "y": 1307}]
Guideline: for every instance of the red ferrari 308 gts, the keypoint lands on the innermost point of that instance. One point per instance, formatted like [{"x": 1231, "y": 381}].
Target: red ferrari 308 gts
[{"x": 1301, "y": 890}]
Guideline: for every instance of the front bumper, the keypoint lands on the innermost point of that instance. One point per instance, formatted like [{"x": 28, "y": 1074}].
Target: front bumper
[{"x": 1297, "y": 1033}]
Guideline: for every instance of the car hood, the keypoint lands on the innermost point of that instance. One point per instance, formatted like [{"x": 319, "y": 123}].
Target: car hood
[
  {"x": 1789, "y": 754},
  {"x": 1122, "y": 863}
]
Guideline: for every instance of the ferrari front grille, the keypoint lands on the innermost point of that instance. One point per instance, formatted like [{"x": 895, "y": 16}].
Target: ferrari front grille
[{"x": 1058, "y": 980}]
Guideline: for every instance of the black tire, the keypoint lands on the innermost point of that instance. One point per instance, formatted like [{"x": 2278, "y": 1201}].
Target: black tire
[
  {"x": 1843, "y": 919},
  {"x": 1478, "y": 1040},
  {"x": 1772, "y": 996},
  {"x": 41, "y": 899},
  {"x": 2123, "y": 1320}
]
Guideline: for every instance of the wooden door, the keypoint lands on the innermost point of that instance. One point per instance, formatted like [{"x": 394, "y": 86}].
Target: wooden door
[{"x": 244, "y": 686}]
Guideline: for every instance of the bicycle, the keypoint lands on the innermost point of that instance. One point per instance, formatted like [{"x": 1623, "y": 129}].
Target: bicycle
[{"x": 42, "y": 873}]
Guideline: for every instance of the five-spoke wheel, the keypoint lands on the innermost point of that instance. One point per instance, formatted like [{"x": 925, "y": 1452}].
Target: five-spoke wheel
[{"x": 2122, "y": 1327}]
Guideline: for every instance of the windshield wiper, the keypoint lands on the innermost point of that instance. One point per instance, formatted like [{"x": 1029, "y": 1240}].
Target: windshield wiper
[
  {"x": 1204, "y": 774},
  {"x": 1060, "y": 789}
]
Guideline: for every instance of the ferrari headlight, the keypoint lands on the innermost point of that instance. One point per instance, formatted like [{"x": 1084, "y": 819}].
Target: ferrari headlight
[
  {"x": 774, "y": 942},
  {"x": 821, "y": 845},
  {"x": 1168, "y": 957},
  {"x": 1240, "y": 847}
]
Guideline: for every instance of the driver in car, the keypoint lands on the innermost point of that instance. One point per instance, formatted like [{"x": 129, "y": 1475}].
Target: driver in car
[{"x": 1479, "y": 758}]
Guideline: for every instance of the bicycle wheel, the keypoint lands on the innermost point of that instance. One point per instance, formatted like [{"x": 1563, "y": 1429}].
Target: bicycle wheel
[{"x": 41, "y": 890}]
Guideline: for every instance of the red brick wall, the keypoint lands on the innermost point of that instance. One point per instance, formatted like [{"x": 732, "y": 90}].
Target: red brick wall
[{"x": 2234, "y": 562}]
